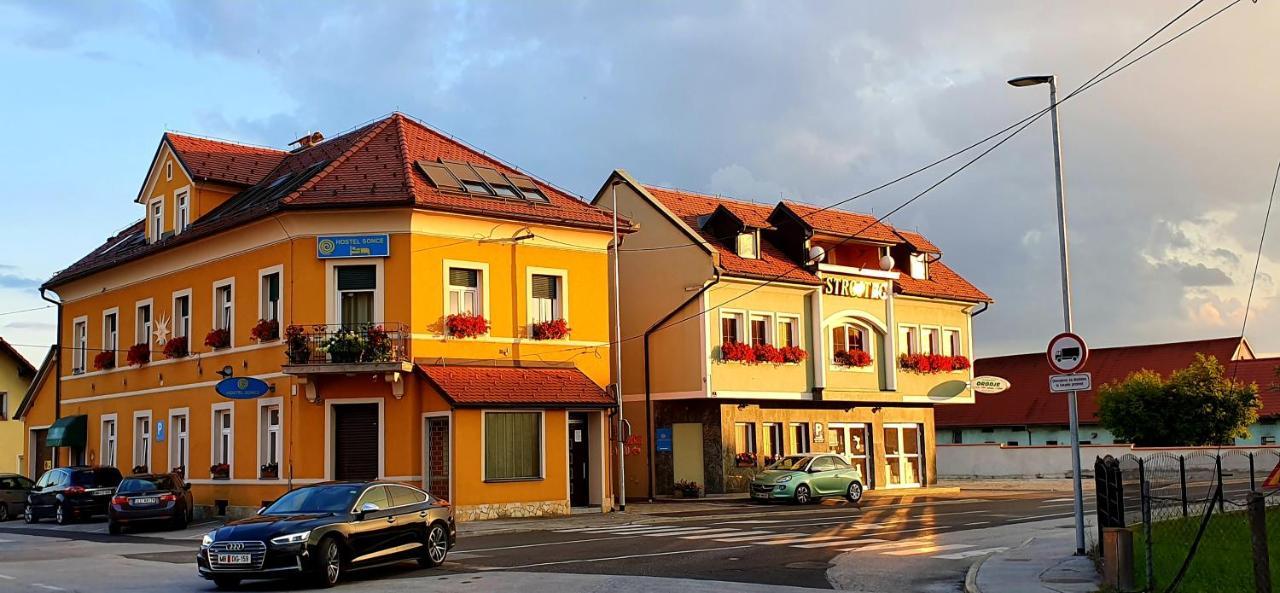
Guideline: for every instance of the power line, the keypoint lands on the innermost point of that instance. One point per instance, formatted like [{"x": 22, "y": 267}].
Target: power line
[
  {"x": 1257, "y": 262},
  {"x": 27, "y": 310}
]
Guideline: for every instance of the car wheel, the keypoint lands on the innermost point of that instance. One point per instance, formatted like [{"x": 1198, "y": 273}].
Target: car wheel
[
  {"x": 802, "y": 495},
  {"x": 4, "y": 512},
  {"x": 180, "y": 521},
  {"x": 61, "y": 516},
  {"x": 854, "y": 493},
  {"x": 437, "y": 547},
  {"x": 113, "y": 528},
  {"x": 329, "y": 563},
  {"x": 29, "y": 514},
  {"x": 226, "y": 582}
]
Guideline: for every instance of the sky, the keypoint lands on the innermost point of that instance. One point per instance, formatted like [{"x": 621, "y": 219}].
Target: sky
[{"x": 1168, "y": 164}]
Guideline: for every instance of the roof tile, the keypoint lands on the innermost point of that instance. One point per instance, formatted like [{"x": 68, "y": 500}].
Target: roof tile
[
  {"x": 515, "y": 386},
  {"x": 226, "y": 162}
]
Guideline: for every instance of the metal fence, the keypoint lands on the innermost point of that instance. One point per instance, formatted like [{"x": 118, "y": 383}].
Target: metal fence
[
  {"x": 1196, "y": 519},
  {"x": 347, "y": 344}
]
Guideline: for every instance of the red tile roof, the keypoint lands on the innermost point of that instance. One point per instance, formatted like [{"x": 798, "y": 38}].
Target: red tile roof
[
  {"x": 844, "y": 223},
  {"x": 918, "y": 241},
  {"x": 1261, "y": 372},
  {"x": 1028, "y": 402},
  {"x": 773, "y": 263},
  {"x": 942, "y": 283},
  {"x": 226, "y": 162},
  {"x": 464, "y": 385}
]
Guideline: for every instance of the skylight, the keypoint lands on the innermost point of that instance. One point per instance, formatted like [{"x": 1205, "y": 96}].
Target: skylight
[{"x": 480, "y": 180}]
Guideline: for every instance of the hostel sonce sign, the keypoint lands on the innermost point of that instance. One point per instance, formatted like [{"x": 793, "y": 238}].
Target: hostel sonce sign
[
  {"x": 858, "y": 288},
  {"x": 338, "y": 246}
]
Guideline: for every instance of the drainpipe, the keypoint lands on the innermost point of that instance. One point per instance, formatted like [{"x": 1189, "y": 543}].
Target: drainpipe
[
  {"x": 57, "y": 367},
  {"x": 984, "y": 308},
  {"x": 648, "y": 391}
]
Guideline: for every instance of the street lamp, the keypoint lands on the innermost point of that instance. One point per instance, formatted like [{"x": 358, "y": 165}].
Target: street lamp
[{"x": 1073, "y": 412}]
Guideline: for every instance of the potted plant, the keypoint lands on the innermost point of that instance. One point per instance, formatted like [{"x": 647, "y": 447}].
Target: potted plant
[
  {"x": 746, "y": 459},
  {"x": 218, "y": 338},
  {"x": 220, "y": 471},
  {"x": 139, "y": 469},
  {"x": 853, "y": 358},
  {"x": 687, "y": 489},
  {"x": 737, "y": 352},
  {"x": 793, "y": 354},
  {"x": 959, "y": 362},
  {"x": 297, "y": 346},
  {"x": 556, "y": 329},
  {"x": 269, "y": 471},
  {"x": 462, "y": 325},
  {"x": 767, "y": 353},
  {"x": 377, "y": 345},
  {"x": 105, "y": 360},
  {"x": 175, "y": 347},
  {"x": 344, "y": 347},
  {"x": 265, "y": 330},
  {"x": 139, "y": 354}
]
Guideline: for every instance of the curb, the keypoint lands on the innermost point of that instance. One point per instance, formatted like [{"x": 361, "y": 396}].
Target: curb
[{"x": 971, "y": 577}]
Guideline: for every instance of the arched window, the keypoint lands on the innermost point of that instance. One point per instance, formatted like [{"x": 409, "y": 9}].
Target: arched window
[{"x": 847, "y": 337}]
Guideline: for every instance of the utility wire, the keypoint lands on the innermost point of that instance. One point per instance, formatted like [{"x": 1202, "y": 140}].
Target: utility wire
[
  {"x": 27, "y": 310},
  {"x": 1257, "y": 262}
]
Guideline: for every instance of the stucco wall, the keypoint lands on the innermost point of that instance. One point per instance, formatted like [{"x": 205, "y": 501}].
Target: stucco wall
[{"x": 999, "y": 461}]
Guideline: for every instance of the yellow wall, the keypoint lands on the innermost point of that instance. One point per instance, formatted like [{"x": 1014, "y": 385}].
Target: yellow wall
[
  {"x": 11, "y": 431},
  {"x": 942, "y": 388},
  {"x": 735, "y": 379}
]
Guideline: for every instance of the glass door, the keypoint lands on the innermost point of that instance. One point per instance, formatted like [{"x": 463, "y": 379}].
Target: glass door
[
  {"x": 850, "y": 442},
  {"x": 902, "y": 459}
]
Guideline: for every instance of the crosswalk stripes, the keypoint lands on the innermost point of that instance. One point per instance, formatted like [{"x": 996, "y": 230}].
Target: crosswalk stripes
[
  {"x": 744, "y": 535},
  {"x": 680, "y": 532},
  {"x": 970, "y": 553},
  {"x": 884, "y": 546},
  {"x": 800, "y": 540},
  {"x": 927, "y": 550},
  {"x": 841, "y": 542},
  {"x": 753, "y": 538}
]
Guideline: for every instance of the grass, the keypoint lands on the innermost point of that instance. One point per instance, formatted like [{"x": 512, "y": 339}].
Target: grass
[{"x": 1223, "y": 562}]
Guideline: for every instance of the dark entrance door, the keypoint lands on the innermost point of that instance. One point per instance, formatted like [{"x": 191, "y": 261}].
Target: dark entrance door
[
  {"x": 355, "y": 441},
  {"x": 579, "y": 461},
  {"x": 43, "y": 455},
  {"x": 438, "y": 456}
]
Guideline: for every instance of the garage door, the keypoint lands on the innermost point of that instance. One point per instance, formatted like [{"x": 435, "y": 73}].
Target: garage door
[{"x": 355, "y": 438}]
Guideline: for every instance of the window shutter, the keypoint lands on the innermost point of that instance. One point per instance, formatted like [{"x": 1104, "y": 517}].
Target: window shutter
[
  {"x": 357, "y": 278},
  {"x": 464, "y": 277},
  {"x": 273, "y": 287},
  {"x": 544, "y": 287}
]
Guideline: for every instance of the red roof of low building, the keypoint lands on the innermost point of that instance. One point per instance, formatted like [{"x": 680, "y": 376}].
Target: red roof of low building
[
  {"x": 1028, "y": 402},
  {"x": 1260, "y": 372},
  {"x": 543, "y": 387},
  {"x": 207, "y": 159}
]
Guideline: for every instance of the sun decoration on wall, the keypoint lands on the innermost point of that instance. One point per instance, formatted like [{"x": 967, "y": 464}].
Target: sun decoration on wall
[{"x": 162, "y": 329}]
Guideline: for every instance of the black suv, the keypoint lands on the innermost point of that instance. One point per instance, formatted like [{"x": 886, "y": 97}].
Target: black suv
[{"x": 69, "y": 493}]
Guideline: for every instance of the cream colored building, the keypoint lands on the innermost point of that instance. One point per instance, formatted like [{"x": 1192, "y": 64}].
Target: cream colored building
[
  {"x": 15, "y": 376},
  {"x": 852, "y": 349}
]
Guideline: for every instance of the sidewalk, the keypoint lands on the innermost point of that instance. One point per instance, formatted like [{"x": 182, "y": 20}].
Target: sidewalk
[{"x": 1037, "y": 566}]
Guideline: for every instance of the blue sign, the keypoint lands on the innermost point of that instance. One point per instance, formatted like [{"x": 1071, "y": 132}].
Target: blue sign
[
  {"x": 159, "y": 431},
  {"x": 241, "y": 388},
  {"x": 662, "y": 440},
  {"x": 339, "y": 246}
]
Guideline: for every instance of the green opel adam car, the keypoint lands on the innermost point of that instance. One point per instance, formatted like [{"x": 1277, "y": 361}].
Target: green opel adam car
[{"x": 806, "y": 478}]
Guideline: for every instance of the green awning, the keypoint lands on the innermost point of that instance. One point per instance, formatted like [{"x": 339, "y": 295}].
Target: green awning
[{"x": 68, "y": 432}]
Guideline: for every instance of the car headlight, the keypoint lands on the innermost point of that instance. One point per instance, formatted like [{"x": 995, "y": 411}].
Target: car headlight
[
  {"x": 207, "y": 540},
  {"x": 292, "y": 538},
  {"x": 784, "y": 479}
]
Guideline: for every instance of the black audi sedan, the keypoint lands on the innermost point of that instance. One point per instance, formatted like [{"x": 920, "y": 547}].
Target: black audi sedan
[
  {"x": 323, "y": 530},
  {"x": 150, "y": 498}
]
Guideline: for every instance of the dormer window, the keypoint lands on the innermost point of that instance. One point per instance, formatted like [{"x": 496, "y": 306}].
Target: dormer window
[
  {"x": 748, "y": 244},
  {"x": 182, "y": 211},
  {"x": 155, "y": 219},
  {"x": 919, "y": 266}
]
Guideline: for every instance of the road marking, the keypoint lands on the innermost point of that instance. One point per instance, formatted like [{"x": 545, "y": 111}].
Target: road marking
[
  {"x": 680, "y": 532},
  {"x": 49, "y": 587},
  {"x": 714, "y": 533},
  {"x": 927, "y": 550},
  {"x": 611, "y": 558},
  {"x": 869, "y": 508},
  {"x": 1061, "y": 500},
  {"x": 884, "y": 546},
  {"x": 747, "y": 538},
  {"x": 1033, "y": 517},
  {"x": 801, "y": 540},
  {"x": 971, "y": 553},
  {"x": 7, "y": 577},
  {"x": 976, "y": 523},
  {"x": 576, "y": 541},
  {"x": 613, "y": 528},
  {"x": 835, "y": 520},
  {"x": 843, "y": 542}
]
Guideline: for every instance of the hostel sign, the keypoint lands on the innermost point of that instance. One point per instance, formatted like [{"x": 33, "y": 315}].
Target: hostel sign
[
  {"x": 858, "y": 288},
  {"x": 340, "y": 246}
]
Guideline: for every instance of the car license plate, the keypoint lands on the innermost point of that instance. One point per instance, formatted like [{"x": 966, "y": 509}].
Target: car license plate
[
  {"x": 759, "y": 495},
  {"x": 234, "y": 559},
  {"x": 144, "y": 500}
]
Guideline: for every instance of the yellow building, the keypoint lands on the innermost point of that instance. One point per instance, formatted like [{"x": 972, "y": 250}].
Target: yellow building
[
  {"x": 780, "y": 329},
  {"x": 16, "y": 374},
  {"x": 419, "y": 312}
]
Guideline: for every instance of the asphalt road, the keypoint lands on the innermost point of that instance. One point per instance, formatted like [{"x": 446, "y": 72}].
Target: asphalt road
[{"x": 921, "y": 543}]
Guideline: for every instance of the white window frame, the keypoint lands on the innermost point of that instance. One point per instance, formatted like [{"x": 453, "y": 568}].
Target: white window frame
[
  {"x": 264, "y": 434},
  {"x": 181, "y": 209},
  {"x": 744, "y": 329},
  {"x": 168, "y": 170},
  {"x": 868, "y": 344},
  {"x": 142, "y": 441},
  {"x": 230, "y": 285},
  {"x": 561, "y": 301},
  {"x": 752, "y": 248},
  {"x": 542, "y": 445},
  {"x": 901, "y": 457},
  {"x": 482, "y": 288},
  {"x": 80, "y": 345},
  {"x": 155, "y": 220},
  {"x": 930, "y": 346},
  {"x": 953, "y": 347},
  {"x": 278, "y": 270},
  {"x": 769, "y": 327},
  {"x": 918, "y": 267},
  {"x": 904, "y": 344},
  {"x": 215, "y": 432},
  {"x": 111, "y": 340},
  {"x": 800, "y": 446},
  {"x": 143, "y": 335},
  {"x": 333, "y": 301},
  {"x": 180, "y": 440},
  {"x": 794, "y": 320},
  {"x": 108, "y": 440},
  {"x": 176, "y": 319}
]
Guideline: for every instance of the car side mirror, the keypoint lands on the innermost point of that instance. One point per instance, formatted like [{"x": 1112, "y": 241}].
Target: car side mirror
[
  {"x": 366, "y": 508},
  {"x": 36, "y": 488}
]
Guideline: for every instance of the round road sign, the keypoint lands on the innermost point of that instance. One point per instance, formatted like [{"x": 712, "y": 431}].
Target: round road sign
[{"x": 1067, "y": 353}]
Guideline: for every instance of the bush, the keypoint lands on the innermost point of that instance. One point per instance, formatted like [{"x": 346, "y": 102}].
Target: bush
[{"x": 1197, "y": 406}]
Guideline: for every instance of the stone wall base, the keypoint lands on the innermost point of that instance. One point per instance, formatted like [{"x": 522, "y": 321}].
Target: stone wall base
[
  {"x": 205, "y": 512},
  {"x": 511, "y": 510}
]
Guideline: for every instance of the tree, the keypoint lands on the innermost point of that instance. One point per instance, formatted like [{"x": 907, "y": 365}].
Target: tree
[{"x": 1195, "y": 406}]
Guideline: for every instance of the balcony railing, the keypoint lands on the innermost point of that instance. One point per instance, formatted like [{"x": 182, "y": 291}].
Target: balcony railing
[{"x": 363, "y": 344}]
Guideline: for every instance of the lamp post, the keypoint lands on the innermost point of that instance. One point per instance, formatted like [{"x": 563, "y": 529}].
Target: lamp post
[{"x": 1073, "y": 412}]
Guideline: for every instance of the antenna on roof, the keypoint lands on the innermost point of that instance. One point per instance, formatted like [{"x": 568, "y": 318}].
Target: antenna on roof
[{"x": 308, "y": 140}]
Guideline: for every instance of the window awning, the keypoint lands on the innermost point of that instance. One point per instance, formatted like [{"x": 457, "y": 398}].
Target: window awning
[
  {"x": 68, "y": 431},
  {"x": 537, "y": 387}
]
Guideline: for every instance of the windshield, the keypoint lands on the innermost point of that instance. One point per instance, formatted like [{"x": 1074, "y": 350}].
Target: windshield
[
  {"x": 96, "y": 478},
  {"x": 337, "y": 498},
  {"x": 790, "y": 463},
  {"x": 147, "y": 484}
]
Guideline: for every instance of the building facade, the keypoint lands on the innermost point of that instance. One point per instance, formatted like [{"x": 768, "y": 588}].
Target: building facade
[
  {"x": 1027, "y": 414},
  {"x": 16, "y": 374},
  {"x": 419, "y": 311},
  {"x": 751, "y": 331}
]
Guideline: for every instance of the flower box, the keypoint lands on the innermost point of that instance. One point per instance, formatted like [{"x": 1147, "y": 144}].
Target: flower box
[
  {"x": 139, "y": 354},
  {"x": 960, "y": 363},
  {"x": 176, "y": 347},
  {"x": 270, "y": 471},
  {"x": 737, "y": 352},
  {"x": 745, "y": 459},
  {"x": 853, "y": 358},
  {"x": 556, "y": 329},
  {"x": 265, "y": 331},
  {"x": 462, "y": 325},
  {"x": 687, "y": 489},
  {"x": 767, "y": 353},
  {"x": 929, "y": 364},
  {"x": 218, "y": 338},
  {"x": 220, "y": 471},
  {"x": 793, "y": 354},
  {"x": 105, "y": 360},
  {"x": 297, "y": 346}
]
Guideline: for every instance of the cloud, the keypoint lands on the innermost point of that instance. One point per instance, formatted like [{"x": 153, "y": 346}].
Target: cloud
[
  {"x": 1202, "y": 275},
  {"x": 16, "y": 281},
  {"x": 30, "y": 325}
]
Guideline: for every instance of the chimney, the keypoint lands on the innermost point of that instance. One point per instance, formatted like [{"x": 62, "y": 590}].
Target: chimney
[{"x": 307, "y": 141}]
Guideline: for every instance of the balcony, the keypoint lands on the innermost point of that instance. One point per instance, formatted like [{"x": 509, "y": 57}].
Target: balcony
[{"x": 374, "y": 348}]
